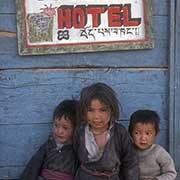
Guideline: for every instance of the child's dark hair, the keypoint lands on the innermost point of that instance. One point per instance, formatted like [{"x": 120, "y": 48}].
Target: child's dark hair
[
  {"x": 144, "y": 117},
  {"x": 67, "y": 109},
  {"x": 104, "y": 94}
]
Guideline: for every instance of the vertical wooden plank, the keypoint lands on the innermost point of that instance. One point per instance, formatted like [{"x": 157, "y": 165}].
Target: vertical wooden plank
[
  {"x": 174, "y": 85},
  {"x": 177, "y": 85},
  {"x": 171, "y": 78}
]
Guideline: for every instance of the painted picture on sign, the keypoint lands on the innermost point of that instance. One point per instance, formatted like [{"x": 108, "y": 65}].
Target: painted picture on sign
[{"x": 69, "y": 26}]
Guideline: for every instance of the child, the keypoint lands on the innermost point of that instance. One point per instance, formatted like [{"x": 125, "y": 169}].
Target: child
[
  {"x": 154, "y": 161},
  {"x": 55, "y": 159},
  {"x": 103, "y": 146}
]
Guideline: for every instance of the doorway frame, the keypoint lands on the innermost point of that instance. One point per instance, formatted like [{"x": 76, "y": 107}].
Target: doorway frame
[{"x": 174, "y": 83}]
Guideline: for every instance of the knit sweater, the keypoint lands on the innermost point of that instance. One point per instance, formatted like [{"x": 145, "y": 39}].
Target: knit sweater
[{"x": 156, "y": 162}]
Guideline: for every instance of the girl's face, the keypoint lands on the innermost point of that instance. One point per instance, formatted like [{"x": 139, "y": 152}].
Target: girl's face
[
  {"x": 143, "y": 135},
  {"x": 98, "y": 115},
  {"x": 63, "y": 130}
]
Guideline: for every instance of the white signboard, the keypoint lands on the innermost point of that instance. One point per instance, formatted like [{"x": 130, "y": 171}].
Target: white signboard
[{"x": 62, "y": 26}]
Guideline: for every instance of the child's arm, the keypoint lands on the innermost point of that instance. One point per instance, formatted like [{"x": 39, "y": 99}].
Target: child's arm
[
  {"x": 129, "y": 167},
  {"x": 166, "y": 163},
  {"x": 33, "y": 168}
]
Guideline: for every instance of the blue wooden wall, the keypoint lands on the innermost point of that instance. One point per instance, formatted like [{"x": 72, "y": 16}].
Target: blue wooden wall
[{"x": 30, "y": 87}]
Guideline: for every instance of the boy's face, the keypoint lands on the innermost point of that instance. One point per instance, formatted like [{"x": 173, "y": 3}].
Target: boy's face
[
  {"x": 98, "y": 115},
  {"x": 143, "y": 135},
  {"x": 63, "y": 130}
]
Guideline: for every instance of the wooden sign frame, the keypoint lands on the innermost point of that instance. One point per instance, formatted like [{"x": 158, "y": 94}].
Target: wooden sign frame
[{"x": 68, "y": 26}]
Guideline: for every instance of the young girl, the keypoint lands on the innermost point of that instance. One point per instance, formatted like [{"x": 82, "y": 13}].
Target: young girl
[
  {"x": 155, "y": 163},
  {"x": 56, "y": 159},
  {"x": 104, "y": 147}
]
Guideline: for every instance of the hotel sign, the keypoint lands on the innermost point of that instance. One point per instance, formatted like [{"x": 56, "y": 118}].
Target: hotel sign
[{"x": 69, "y": 26}]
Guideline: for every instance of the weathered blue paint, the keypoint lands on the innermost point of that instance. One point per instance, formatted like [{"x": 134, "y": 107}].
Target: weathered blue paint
[
  {"x": 177, "y": 85},
  {"x": 7, "y": 7},
  {"x": 30, "y": 87},
  {"x": 158, "y": 57},
  {"x": 174, "y": 85},
  {"x": 8, "y": 25},
  {"x": 38, "y": 91}
]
